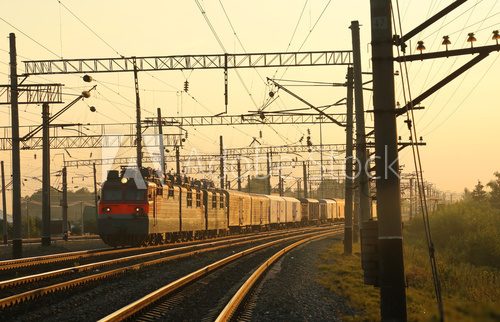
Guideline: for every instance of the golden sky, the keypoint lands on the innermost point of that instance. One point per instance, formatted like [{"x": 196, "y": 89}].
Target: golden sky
[{"x": 459, "y": 123}]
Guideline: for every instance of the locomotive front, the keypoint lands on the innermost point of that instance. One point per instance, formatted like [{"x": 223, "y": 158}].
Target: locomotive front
[{"x": 123, "y": 209}]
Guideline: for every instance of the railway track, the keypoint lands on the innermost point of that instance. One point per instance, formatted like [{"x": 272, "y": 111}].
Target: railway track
[
  {"x": 36, "y": 241},
  {"x": 164, "y": 303},
  {"x": 17, "y": 265},
  {"x": 28, "y": 288}
]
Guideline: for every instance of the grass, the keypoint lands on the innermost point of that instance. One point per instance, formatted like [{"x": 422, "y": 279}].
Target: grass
[
  {"x": 470, "y": 293},
  {"x": 342, "y": 275}
]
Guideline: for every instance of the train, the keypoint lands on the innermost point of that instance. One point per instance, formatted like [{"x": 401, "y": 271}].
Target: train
[{"x": 137, "y": 208}]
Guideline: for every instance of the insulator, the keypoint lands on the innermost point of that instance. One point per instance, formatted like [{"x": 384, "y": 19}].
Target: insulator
[
  {"x": 86, "y": 94},
  {"x": 92, "y": 108},
  {"x": 87, "y": 78},
  {"x": 186, "y": 86}
]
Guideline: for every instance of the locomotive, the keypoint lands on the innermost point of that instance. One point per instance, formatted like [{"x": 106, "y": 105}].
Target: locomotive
[{"x": 137, "y": 208}]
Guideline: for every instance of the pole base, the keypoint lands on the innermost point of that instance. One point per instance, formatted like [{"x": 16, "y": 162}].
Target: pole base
[
  {"x": 45, "y": 241},
  {"x": 392, "y": 280},
  {"x": 355, "y": 234},
  {"x": 17, "y": 248},
  {"x": 347, "y": 241}
]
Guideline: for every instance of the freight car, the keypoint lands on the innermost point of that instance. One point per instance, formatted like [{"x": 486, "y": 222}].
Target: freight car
[{"x": 137, "y": 208}]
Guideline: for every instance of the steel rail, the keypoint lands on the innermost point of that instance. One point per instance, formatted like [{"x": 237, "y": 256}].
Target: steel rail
[
  {"x": 33, "y": 294},
  {"x": 235, "y": 302},
  {"x": 61, "y": 257},
  {"x": 141, "y": 304},
  {"x": 47, "y": 259},
  {"x": 90, "y": 266}
]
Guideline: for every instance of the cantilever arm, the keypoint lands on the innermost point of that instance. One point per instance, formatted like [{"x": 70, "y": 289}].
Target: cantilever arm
[
  {"x": 307, "y": 103},
  {"x": 53, "y": 117}
]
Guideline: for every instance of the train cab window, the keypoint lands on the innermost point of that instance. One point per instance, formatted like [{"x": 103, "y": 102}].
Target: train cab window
[
  {"x": 221, "y": 204},
  {"x": 111, "y": 194},
  {"x": 134, "y": 195},
  {"x": 214, "y": 201},
  {"x": 170, "y": 192},
  {"x": 198, "y": 199},
  {"x": 189, "y": 199}
]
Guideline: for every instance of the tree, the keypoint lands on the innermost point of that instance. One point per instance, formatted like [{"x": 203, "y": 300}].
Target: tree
[
  {"x": 494, "y": 185},
  {"x": 330, "y": 188},
  {"x": 478, "y": 194},
  {"x": 258, "y": 184},
  {"x": 467, "y": 195}
]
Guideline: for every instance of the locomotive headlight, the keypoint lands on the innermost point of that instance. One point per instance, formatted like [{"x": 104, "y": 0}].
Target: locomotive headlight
[
  {"x": 124, "y": 180},
  {"x": 107, "y": 209},
  {"x": 137, "y": 209}
]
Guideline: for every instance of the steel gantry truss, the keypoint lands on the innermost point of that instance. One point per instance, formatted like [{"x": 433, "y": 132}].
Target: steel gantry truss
[
  {"x": 180, "y": 62},
  {"x": 202, "y": 157},
  {"x": 256, "y": 166},
  {"x": 229, "y": 154},
  {"x": 87, "y": 136},
  {"x": 243, "y": 119},
  {"x": 281, "y": 149},
  {"x": 33, "y": 94}
]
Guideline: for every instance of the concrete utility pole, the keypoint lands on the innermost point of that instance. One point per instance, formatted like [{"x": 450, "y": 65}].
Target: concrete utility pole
[
  {"x": 390, "y": 239},
  {"x": 162, "y": 146},
  {"x": 17, "y": 242},
  {"x": 268, "y": 178},
  {"x": 411, "y": 198},
  {"x": 4, "y": 207},
  {"x": 321, "y": 155},
  {"x": 348, "y": 165},
  {"x": 95, "y": 189},
  {"x": 304, "y": 172},
  {"x": 64, "y": 202},
  {"x": 363, "y": 180},
  {"x": 356, "y": 211},
  {"x": 45, "y": 176},
  {"x": 177, "y": 165},
  {"x": 221, "y": 147},
  {"x": 137, "y": 116},
  {"x": 280, "y": 183},
  {"x": 238, "y": 165}
]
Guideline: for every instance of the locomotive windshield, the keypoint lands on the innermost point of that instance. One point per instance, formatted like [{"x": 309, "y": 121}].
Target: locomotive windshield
[
  {"x": 134, "y": 195},
  {"x": 123, "y": 195},
  {"x": 112, "y": 195}
]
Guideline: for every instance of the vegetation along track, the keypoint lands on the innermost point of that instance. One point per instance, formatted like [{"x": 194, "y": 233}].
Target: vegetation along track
[
  {"x": 33, "y": 289},
  {"x": 160, "y": 303}
]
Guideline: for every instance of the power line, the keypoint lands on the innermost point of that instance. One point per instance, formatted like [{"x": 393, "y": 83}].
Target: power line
[
  {"x": 90, "y": 29},
  {"x": 30, "y": 38},
  {"x": 309, "y": 33},
  {"x": 214, "y": 33}
]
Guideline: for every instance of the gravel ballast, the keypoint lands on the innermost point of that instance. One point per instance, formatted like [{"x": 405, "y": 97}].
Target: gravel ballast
[{"x": 291, "y": 292}]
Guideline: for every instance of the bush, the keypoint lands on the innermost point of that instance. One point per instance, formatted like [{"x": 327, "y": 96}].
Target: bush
[{"x": 465, "y": 232}]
